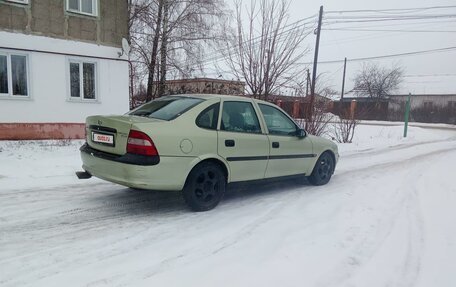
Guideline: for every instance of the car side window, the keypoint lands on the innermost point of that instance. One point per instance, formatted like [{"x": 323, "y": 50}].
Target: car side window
[
  {"x": 277, "y": 122},
  {"x": 208, "y": 118},
  {"x": 239, "y": 117}
]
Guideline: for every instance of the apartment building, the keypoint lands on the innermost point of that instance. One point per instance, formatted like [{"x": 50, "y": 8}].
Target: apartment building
[{"x": 60, "y": 61}]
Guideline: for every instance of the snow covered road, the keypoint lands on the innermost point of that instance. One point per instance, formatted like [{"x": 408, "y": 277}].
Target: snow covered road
[{"x": 385, "y": 219}]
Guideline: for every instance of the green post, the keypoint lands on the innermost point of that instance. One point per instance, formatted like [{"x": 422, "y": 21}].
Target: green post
[{"x": 406, "y": 116}]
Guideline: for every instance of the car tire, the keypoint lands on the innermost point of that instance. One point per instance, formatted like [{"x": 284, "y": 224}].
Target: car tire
[
  {"x": 323, "y": 169},
  {"x": 205, "y": 187}
]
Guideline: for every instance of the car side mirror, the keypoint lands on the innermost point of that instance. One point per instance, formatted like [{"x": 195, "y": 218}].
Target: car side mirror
[{"x": 301, "y": 133}]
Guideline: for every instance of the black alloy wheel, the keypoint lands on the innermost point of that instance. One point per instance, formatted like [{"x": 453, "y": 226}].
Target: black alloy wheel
[
  {"x": 205, "y": 187},
  {"x": 323, "y": 170}
]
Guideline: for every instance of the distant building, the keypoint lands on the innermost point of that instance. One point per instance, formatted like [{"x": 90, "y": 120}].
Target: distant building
[
  {"x": 194, "y": 86},
  {"x": 423, "y": 101},
  {"x": 303, "y": 99},
  {"x": 59, "y": 63},
  {"x": 205, "y": 86}
]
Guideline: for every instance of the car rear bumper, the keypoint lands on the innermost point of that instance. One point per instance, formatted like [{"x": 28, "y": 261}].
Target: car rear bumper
[
  {"x": 127, "y": 158},
  {"x": 169, "y": 174}
]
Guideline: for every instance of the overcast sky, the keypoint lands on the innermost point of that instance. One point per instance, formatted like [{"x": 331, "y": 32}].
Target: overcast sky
[{"x": 430, "y": 73}]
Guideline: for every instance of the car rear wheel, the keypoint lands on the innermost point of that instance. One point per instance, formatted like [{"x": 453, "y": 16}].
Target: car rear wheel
[
  {"x": 323, "y": 170},
  {"x": 205, "y": 187}
]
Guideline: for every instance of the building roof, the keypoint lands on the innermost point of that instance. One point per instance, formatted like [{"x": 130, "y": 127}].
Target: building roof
[
  {"x": 218, "y": 96},
  {"x": 363, "y": 99},
  {"x": 424, "y": 95},
  {"x": 301, "y": 99},
  {"x": 199, "y": 80}
]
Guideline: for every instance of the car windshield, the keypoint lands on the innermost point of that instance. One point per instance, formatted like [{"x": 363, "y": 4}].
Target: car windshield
[{"x": 166, "y": 108}]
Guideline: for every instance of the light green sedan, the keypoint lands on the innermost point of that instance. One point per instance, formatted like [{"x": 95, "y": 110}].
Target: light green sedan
[{"x": 201, "y": 143}]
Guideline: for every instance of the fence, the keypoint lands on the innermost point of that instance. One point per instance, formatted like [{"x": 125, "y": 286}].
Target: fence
[
  {"x": 382, "y": 112},
  {"x": 373, "y": 110}
]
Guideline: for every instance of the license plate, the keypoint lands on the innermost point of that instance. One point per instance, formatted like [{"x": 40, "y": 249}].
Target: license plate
[{"x": 103, "y": 138}]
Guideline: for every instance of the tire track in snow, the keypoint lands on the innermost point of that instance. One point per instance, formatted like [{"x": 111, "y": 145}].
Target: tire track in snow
[
  {"x": 376, "y": 151},
  {"x": 415, "y": 242},
  {"x": 404, "y": 203},
  {"x": 356, "y": 166},
  {"x": 248, "y": 230},
  {"x": 187, "y": 256}
]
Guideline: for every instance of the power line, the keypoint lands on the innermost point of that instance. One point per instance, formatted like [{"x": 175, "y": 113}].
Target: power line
[
  {"x": 349, "y": 17},
  {"x": 424, "y": 82},
  {"x": 376, "y": 36},
  {"x": 420, "y": 23},
  {"x": 391, "y": 30},
  {"x": 257, "y": 40},
  {"x": 367, "y": 19},
  {"x": 446, "y": 49},
  {"x": 382, "y": 18},
  {"x": 430, "y": 75},
  {"x": 216, "y": 55},
  {"x": 333, "y": 73},
  {"x": 390, "y": 10},
  {"x": 344, "y": 40}
]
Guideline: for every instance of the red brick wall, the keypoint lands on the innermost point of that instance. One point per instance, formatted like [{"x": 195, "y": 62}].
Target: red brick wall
[{"x": 41, "y": 131}]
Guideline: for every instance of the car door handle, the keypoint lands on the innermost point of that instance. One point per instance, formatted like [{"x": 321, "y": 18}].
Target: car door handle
[
  {"x": 230, "y": 143},
  {"x": 275, "y": 145}
]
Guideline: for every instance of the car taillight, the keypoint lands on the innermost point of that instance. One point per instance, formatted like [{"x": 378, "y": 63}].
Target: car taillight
[{"x": 140, "y": 143}]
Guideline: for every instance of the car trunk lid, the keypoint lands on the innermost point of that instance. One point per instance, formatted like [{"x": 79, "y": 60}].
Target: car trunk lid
[{"x": 110, "y": 133}]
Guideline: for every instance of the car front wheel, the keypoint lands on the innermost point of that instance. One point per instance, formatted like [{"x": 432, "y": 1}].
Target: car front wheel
[
  {"x": 205, "y": 187},
  {"x": 323, "y": 170}
]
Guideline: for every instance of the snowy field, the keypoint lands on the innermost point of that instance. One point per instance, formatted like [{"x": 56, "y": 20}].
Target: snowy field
[{"x": 387, "y": 218}]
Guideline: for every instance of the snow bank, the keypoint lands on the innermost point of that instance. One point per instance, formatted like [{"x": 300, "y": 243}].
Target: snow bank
[
  {"x": 28, "y": 164},
  {"x": 369, "y": 137}
]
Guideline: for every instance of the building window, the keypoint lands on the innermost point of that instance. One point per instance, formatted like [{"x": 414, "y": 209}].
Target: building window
[
  {"x": 13, "y": 75},
  {"x": 83, "y": 80},
  {"x": 86, "y": 7},
  {"x": 19, "y": 1}
]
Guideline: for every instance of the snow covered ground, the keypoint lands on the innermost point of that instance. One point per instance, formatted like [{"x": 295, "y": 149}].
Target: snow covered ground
[{"x": 387, "y": 218}]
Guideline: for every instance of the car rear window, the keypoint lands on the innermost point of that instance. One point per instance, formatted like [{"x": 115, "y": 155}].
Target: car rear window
[{"x": 166, "y": 108}]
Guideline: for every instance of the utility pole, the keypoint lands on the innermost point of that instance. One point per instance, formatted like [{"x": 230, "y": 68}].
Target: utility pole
[
  {"x": 307, "y": 82},
  {"x": 343, "y": 80},
  {"x": 315, "y": 62},
  {"x": 406, "y": 115}
]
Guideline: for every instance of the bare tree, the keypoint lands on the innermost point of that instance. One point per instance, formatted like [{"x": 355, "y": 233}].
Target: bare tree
[
  {"x": 318, "y": 124},
  {"x": 344, "y": 127},
  {"x": 320, "y": 116},
  {"x": 170, "y": 35},
  {"x": 377, "y": 82},
  {"x": 139, "y": 59},
  {"x": 265, "y": 50}
]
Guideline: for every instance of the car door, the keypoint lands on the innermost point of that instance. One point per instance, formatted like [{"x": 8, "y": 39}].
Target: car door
[
  {"x": 241, "y": 141},
  {"x": 289, "y": 153}
]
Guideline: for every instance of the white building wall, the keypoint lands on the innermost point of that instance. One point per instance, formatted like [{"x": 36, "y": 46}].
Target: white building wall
[{"x": 49, "y": 99}]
